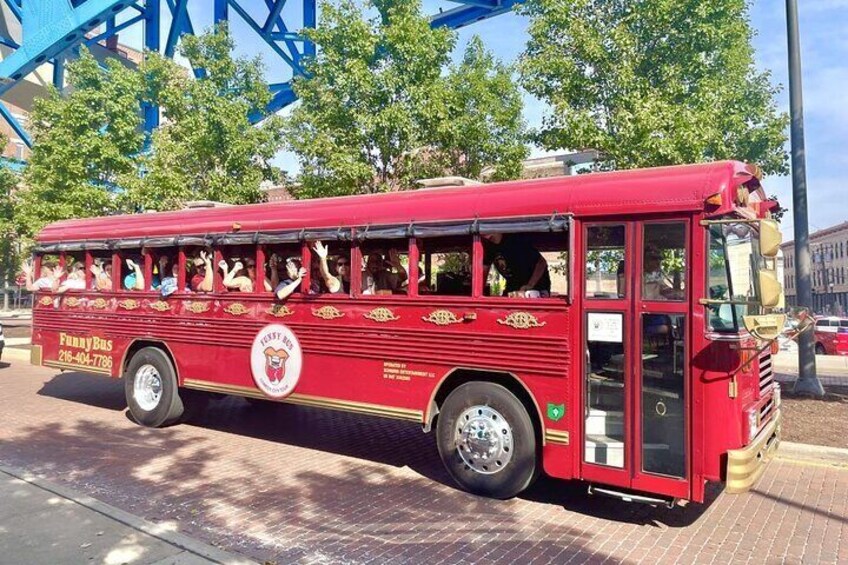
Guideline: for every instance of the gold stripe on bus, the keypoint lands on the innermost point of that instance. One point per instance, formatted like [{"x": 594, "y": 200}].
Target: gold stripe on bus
[
  {"x": 35, "y": 355},
  {"x": 557, "y": 436},
  {"x": 309, "y": 400},
  {"x": 73, "y": 366}
]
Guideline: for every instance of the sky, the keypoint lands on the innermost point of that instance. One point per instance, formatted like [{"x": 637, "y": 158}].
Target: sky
[{"x": 824, "y": 52}]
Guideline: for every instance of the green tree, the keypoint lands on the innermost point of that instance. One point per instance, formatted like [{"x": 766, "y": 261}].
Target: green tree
[
  {"x": 206, "y": 147},
  {"x": 377, "y": 112},
  {"x": 83, "y": 142},
  {"x": 9, "y": 237},
  {"x": 650, "y": 83}
]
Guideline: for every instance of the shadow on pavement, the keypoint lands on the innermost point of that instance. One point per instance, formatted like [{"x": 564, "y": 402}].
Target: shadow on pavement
[
  {"x": 4, "y": 365},
  {"x": 174, "y": 473}
]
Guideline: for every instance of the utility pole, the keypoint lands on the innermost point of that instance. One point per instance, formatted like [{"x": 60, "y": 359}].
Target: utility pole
[{"x": 807, "y": 382}]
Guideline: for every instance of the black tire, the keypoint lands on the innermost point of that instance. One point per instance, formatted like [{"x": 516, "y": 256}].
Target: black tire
[
  {"x": 820, "y": 350},
  {"x": 519, "y": 471},
  {"x": 169, "y": 407}
]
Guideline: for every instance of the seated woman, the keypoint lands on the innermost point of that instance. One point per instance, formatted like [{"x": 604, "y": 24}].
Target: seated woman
[
  {"x": 294, "y": 276},
  {"x": 241, "y": 278},
  {"x": 45, "y": 281},
  {"x": 135, "y": 278},
  {"x": 102, "y": 278},
  {"x": 166, "y": 283},
  {"x": 201, "y": 278},
  {"x": 75, "y": 279},
  {"x": 378, "y": 278}
]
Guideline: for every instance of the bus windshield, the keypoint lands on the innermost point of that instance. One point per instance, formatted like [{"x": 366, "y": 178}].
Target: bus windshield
[{"x": 733, "y": 266}]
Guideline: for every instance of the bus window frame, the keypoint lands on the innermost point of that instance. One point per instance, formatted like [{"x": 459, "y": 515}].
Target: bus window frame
[
  {"x": 686, "y": 258},
  {"x": 584, "y": 273}
]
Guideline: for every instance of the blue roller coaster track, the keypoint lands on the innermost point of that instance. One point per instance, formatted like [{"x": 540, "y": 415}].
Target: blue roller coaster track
[{"x": 50, "y": 30}]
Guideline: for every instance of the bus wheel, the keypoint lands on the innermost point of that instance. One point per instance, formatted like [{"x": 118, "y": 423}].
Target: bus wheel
[
  {"x": 486, "y": 440},
  {"x": 820, "y": 350},
  {"x": 150, "y": 385}
]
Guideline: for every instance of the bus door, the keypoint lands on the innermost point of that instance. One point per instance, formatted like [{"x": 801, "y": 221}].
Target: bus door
[{"x": 635, "y": 390}]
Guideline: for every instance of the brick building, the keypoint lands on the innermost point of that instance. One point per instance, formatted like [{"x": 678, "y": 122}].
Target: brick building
[{"x": 829, "y": 253}]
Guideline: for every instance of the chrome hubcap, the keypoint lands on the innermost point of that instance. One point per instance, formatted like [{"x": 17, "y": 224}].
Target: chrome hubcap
[
  {"x": 147, "y": 388},
  {"x": 484, "y": 439}
]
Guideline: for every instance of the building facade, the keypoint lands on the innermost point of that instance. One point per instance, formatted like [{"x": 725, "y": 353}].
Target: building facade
[{"x": 829, "y": 253}]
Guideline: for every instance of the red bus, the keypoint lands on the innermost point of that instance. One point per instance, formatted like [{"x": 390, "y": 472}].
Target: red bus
[{"x": 611, "y": 327}]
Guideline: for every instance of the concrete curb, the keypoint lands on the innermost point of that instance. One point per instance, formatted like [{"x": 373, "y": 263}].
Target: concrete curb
[
  {"x": 813, "y": 453},
  {"x": 160, "y": 531},
  {"x": 14, "y": 354}
]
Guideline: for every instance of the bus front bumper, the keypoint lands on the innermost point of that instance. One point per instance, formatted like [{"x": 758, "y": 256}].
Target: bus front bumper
[{"x": 745, "y": 465}]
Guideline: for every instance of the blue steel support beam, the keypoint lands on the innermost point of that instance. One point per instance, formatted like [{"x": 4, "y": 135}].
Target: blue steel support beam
[
  {"x": 272, "y": 44},
  {"x": 49, "y": 28},
  {"x": 59, "y": 72},
  {"x": 310, "y": 20},
  {"x": 179, "y": 25},
  {"x": 152, "y": 34},
  {"x": 293, "y": 50},
  {"x": 221, "y": 11},
  {"x": 465, "y": 15},
  {"x": 275, "y": 7},
  {"x": 15, "y": 125},
  {"x": 112, "y": 30}
]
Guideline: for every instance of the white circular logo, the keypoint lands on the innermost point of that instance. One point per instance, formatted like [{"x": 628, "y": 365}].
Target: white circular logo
[{"x": 275, "y": 360}]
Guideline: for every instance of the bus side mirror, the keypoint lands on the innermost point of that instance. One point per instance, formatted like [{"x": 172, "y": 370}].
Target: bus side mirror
[
  {"x": 770, "y": 238},
  {"x": 771, "y": 291},
  {"x": 767, "y": 327}
]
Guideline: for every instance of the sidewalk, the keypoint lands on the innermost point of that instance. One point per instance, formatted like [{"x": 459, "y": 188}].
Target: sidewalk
[
  {"x": 44, "y": 523},
  {"x": 23, "y": 314}
]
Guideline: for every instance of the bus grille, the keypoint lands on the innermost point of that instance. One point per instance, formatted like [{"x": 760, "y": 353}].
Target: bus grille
[
  {"x": 766, "y": 373},
  {"x": 765, "y": 413}
]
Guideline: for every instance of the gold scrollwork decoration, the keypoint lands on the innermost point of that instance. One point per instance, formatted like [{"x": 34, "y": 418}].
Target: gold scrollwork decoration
[
  {"x": 160, "y": 306},
  {"x": 129, "y": 304},
  {"x": 197, "y": 307},
  {"x": 100, "y": 304},
  {"x": 46, "y": 301},
  {"x": 72, "y": 302},
  {"x": 280, "y": 311},
  {"x": 327, "y": 313},
  {"x": 381, "y": 314},
  {"x": 236, "y": 309},
  {"x": 521, "y": 321},
  {"x": 442, "y": 318}
]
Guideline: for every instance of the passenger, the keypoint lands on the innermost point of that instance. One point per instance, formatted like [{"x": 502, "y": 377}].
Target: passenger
[
  {"x": 102, "y": 278},
  {"x": 75, "y": 279},
  {"x": 295, "y": 273},
  {"x": 656, "y": 284},
  {"x": 378, "y": 278},
  {"x": 241, "y": 278},
  {"x": 332, "y": 284},
  {"x": 519, "y": 263},
  {"x": 168, "y": 284},
  {"x": 43, "y": 282},
  {"x": 135, "y": 278},
  {"x": 201, "y": 280}
]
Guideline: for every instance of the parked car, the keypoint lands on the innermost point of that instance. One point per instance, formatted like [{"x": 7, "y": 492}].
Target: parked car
[{"x": 827, "y": 332}]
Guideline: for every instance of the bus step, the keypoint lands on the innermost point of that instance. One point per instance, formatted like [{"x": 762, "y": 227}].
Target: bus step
[{"x": 633, "y": 497}]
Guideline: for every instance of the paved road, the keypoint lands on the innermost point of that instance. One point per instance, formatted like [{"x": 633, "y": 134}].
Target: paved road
[{"x": 295, "y": 484}]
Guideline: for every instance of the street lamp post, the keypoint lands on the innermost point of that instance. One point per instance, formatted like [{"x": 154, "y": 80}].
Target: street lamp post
[{"x": 807, "y": 382}]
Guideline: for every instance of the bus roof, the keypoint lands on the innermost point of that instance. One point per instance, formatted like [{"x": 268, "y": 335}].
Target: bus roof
[{"x": 663, "y": 189}]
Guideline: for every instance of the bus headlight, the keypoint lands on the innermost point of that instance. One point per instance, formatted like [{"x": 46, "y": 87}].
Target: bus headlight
[{"x": 753, "y": 423}]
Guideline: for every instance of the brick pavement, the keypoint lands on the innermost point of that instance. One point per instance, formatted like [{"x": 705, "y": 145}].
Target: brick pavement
[{"x": 295, "y": 484}]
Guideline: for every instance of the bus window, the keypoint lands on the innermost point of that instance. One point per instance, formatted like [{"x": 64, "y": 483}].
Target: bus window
[
  {"x": 605, "y": 262},
  {"x": 101, "y": 271},
  {"x": 199, "y": 269},
  {"x": 447, "y": 266},
  {"x": 166, "y": 269},
  {"x": 525, "y": 265},
  {"x": 385, "y": 267},
  {"x": 285, "y": 270},
  {"x": 330, "y": 270},
  {"x": 73, "y": 277},
  {"x": 238, "y": 269},
  {"x": 132, "y": 270},
  {"x": 664, "y": 262}
]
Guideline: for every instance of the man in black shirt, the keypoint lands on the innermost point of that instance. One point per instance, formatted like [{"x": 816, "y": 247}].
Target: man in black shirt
[{"x": 518, "y": 262}]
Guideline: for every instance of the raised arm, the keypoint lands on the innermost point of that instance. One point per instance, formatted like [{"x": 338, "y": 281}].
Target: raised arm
[
  {"x": 333, "y": 283},
  {"x": 206, "y": 285},
  {"x": 296, "y": 277},
  {"x": 139, "y": 275},
  {"x": 394, "y": 259}
]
